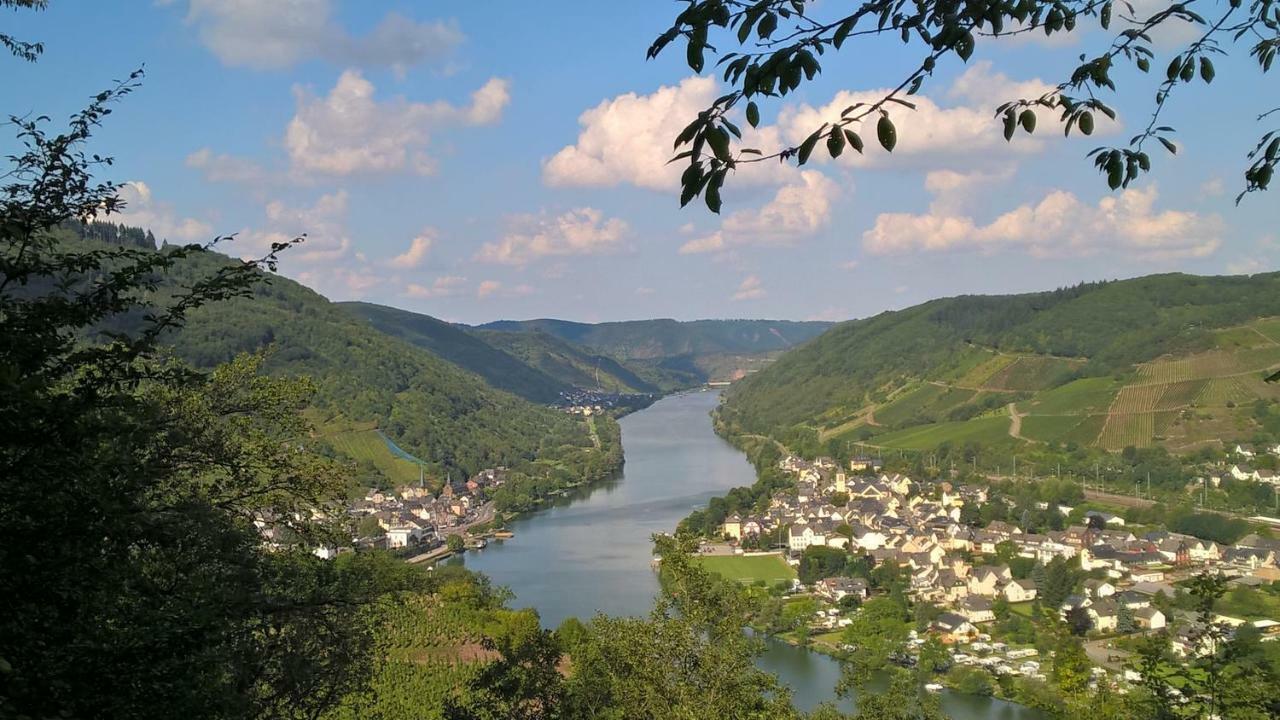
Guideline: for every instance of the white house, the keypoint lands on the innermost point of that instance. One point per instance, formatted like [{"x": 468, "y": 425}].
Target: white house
[{"x": 1017, "y": 591}]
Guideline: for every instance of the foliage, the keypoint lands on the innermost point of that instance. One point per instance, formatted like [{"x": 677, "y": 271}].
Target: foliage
[
  {"x": 771, "y": 48},
  {"x": 461, "y": 348},
  {"x": 820, "y": 561},
  {"x": 138, "y": 582},
  {"x": 970, "y": 680},
  {"x": 1112, "y": 325},
  {"x": 568, "y": 363},
  {"x": 878, "y": 632}
]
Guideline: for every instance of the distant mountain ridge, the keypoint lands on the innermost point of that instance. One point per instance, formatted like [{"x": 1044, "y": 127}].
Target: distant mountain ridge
[
  {"x": 664, "y": 338},
  {"x": 672, "y": 353},
  {"x": 1163, "y": 359}
]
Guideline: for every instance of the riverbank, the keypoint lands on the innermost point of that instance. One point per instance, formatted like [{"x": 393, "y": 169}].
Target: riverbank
[{"x": 590, "y": 551}]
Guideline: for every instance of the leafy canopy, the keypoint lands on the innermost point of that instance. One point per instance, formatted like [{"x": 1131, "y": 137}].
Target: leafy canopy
[{"x": 778, "y": 45}]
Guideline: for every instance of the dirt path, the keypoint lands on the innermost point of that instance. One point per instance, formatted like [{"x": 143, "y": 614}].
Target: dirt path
[{"x": 1015, "y": 423}]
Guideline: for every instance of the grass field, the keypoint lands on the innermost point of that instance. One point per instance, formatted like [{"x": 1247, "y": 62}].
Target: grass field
[
  {"x": 986, "y": 430},
  {"x": 1032, "y": 373},
  {"x": 980, "y": 374},
  {"x": 1047, "y": 428},
  {"x": 1076, "y": 397},
  {"x": 747, "y": 569},
  {"x": 362, "y": 443},
  {"x": 925, "y": 401}
]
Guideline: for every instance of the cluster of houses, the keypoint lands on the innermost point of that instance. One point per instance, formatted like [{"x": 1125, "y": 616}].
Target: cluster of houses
[
  {"x": 1243, "y": 469},
  {"x": 413, "y": 516},
  {"x": 891, "y": 518}
]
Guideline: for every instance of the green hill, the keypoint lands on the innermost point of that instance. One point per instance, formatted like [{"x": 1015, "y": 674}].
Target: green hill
[
  {"x": 498, "y": 368},
  {"x": 672, "y": 353},
  {"x": 566, "y": 362},
  {"x": 1174, "y": 360},
  {"x": 369, "y": 382}
]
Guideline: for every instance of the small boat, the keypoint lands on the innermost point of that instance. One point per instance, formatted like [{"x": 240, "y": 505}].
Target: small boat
[{"x": 933, "y": 687}]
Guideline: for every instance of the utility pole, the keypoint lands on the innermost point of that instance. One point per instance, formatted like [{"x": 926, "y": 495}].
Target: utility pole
[{"x": 1148, "y": 484}]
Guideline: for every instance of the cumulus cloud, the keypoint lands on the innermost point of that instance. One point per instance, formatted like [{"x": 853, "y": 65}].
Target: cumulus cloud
[
  {"x": 349, "y": 131},
  {"x": 584, "y": 231},
  {"x": 443, "y": 286},
  {"x": 628, "y": 139},
  {"x": 1059, "y": 225},
  {"x": 143, "y": 210},
  {"x": 324, "y": 223},
  {"x": 418, "y": 250},
  {"x": 796, "y": 211},
  {"x": 273, "y": 34},
  {"x": 226, "y": 168},
  {"x": 491, "y": 288},
  {"x": 750, "y": 289}
]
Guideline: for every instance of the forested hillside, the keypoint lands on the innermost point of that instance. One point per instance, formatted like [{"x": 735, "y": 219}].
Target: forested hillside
[
  {"x": 568, "y": 363},
  {"x": 449, "y": 418},
  {"x": 1165, "y": 359},
  {"x": 672, "y": 353},
  {"x": 461, "y": 348}
]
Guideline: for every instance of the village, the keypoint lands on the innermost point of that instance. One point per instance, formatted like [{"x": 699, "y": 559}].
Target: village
[{"x": 982, "y": 591}]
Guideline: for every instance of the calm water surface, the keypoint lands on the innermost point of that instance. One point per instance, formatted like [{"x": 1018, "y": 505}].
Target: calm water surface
[{"x": 591, "y": 553}]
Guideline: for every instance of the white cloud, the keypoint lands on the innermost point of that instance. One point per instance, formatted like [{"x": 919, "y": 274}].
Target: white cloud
[
  {"x": 443, "y": 286},
  {"x": 953, "y": 191},
  {"x": 1213, "y": 187},
  {"x": 418, "y": 250},
  {"x": 349, "y": 131},
  {"x": 645, "y": 291},
  {"x": 796, "y": 211},
  {"x": 490, "y": 288},
  {"x": 143, "y": 210},
  {"x": 749, "y": 289},
  {"x": 584, "y": 231},
  {"x": 324, "y": 224},
  {"x": 1060, "y": 225},
  {"x": 266, "y": 34},
  {"x": 341, "y": 283},
  {"x": 849, "y": 265},
  {"x": 1246, "y": 266},
  {"x": 628, "y": 139},
  {"x": 979, "y": 86},
  {"x": 226, "y": 168}
]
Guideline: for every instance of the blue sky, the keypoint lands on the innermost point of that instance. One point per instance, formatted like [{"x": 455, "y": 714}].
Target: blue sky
[{"x": 494, "y": 159}]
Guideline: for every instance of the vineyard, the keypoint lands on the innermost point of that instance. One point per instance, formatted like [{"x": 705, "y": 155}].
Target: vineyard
[
  {"x": 433, "y": 648},
  {"x": 1120, "y": 431},
  {"x": 1032, "y": 373},
  {"x": 364, "y": 444}
]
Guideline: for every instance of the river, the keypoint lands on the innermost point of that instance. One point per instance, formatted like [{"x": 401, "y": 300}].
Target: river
[{"x": 591, "y": 552}]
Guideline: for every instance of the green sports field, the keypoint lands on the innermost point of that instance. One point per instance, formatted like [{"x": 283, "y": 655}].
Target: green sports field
[{"x": 747, "y": 569}]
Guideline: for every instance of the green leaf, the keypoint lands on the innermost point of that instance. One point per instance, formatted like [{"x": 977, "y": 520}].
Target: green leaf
[
  {"x": 806, "y": 148},
  {"x": 718, "y": 139},
  {"x": 1144, "y": 64},
  {"x": 1028, "y": 121},
  {"x": 712, "y": 195},
  {"x": 1168, "y": 145},
  {"x": 835, "y": 143},
  {"x": 886, "y": 133},
  {"x": 1206, "y": 70},
  {"x": 767, "y": 25},
  {"x": 753, "y": 114},
  {"x": 1175, "y": 67},
  {"x": 1086, "y": 122},
  {"x": 854, "y": 140},
  {"x": 1106, "y": 16},
  {"x": 843, "y": 31}
]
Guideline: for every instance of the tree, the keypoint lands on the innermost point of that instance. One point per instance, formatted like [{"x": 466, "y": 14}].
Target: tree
[
  {"x": 455, "y": 543},
  {"x": 970, "y": 680},
  {"x": 901, "y": 700},
  {"x": 1125, "y": 621},
  {"x": 779, "y": 43},
  {"x": 1071, "y": 666},
  {"x": 156, "y": 478},
  {"x": 934, "y": 657},
  {"x": 878, "y": 632}
]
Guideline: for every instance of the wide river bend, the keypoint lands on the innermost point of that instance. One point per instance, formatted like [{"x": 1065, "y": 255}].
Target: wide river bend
[{"x": 591, "y": 552}]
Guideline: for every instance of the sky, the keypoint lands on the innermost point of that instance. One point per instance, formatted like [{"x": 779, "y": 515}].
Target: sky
[{"x": 507, "y": 160}]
